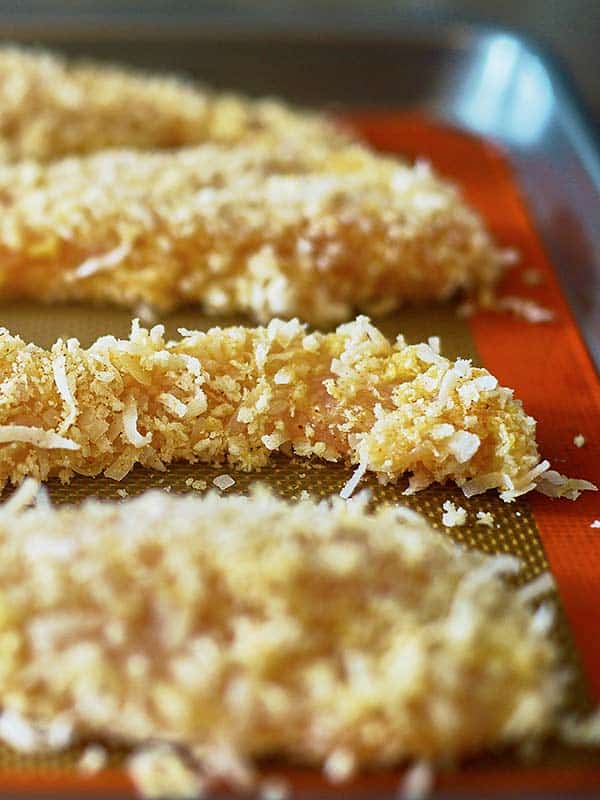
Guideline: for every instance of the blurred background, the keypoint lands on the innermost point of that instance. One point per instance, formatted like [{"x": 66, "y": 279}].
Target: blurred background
[{"x": 571, "y": 28}]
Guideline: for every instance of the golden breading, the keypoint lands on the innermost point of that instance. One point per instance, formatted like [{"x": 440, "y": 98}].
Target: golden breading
[
  {"x": 240, "y": 627},
  {"x": 51, "y": 107},
  {"x": 282, "y": 231},
  {"x": 238, "y": 394}
]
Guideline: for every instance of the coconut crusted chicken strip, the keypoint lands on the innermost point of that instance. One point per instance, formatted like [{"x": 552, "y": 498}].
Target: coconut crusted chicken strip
[
  {"x": 240, "y": 394},
  {"x": 51, "y": 107},
  {"x": 282, "y": 231},
  {"x": 203, "y": 625}
]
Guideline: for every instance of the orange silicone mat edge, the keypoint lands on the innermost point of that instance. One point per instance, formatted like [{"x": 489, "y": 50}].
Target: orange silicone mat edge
[
  {"x": 547, "y": 364},
  {"x": 470, "y": 782}
]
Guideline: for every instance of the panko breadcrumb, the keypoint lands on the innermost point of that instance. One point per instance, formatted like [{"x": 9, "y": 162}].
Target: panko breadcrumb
[
  {"x": 93, "y": 759},
  {"x": 273, "y": 231},
  {"x": 485, "y": 518},
  {"x": 236, "y": 395},
  {"x": 241, "y": 627},
  {"x": 453, "y": 516},
  {"x": 51, "y": 107},
  {"x": 417, "y": 783},
  {"x": 159, "y": 772},
  {"x": 223, "y": 482}
]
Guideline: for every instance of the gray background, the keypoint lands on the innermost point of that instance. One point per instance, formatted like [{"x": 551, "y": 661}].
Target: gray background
[{"x": 570, "y": 27}]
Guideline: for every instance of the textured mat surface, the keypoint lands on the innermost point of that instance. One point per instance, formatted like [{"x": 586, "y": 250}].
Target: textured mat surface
[{"x": 564, "y": 395}]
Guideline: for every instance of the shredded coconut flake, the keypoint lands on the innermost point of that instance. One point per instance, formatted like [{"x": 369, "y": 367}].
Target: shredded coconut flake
[
  {"x": 434, "y": 343},
  {"x": 99, "y": 263},
  {"x": 553, "y": 484},
  {"x": 47, "y": 440},
  {"x": 595, "y": 524},
  {"x": 349, "y": 488},
  {"x": 174, "y": 405},
  {"x": 579, "y": 440},
  {"x": 538, "y": 587},
  {"x": 584, "y": 731},
  {"x": 62, "y": 384},
  {"x": 25, "y": 495},
  {"x": 130, "y": 416},
  {"x": 485, "y": 518}
]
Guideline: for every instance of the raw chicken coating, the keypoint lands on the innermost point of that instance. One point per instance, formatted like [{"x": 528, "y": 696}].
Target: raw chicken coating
[
  {"x": 52, "y": 107},
  {"x": 237, "y": 395},
  {"x": 311, "y": 231},
  {"x": 244, "y": 626}
]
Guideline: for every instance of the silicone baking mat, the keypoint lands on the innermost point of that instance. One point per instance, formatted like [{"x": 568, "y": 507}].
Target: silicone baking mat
[{"x": 550, "y": 370}]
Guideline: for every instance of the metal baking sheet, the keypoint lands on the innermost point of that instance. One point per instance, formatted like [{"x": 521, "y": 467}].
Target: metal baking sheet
[{"x": 494, "y": 83}]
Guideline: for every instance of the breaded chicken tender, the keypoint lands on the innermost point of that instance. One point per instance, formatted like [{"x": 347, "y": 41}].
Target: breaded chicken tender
[
  {"x": 51, "y": 107},
  {"x": 240, "y": 627},
  {"x": 237, "y": 395},
  {"x": 312, "y": 232}
]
